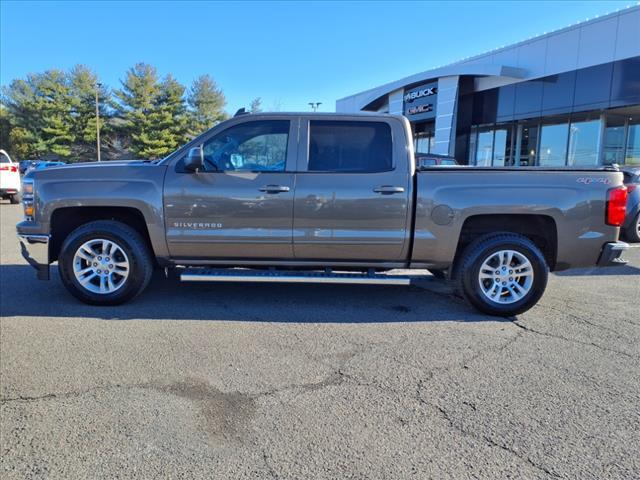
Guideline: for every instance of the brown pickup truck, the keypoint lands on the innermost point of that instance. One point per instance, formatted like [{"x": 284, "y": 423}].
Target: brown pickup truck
[{"x": 318, "y": 198}]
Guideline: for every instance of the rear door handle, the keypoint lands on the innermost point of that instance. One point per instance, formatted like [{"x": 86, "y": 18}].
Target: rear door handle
[
  {"x": 388, "y": 189},
  {"x": 274, "y": 188}
]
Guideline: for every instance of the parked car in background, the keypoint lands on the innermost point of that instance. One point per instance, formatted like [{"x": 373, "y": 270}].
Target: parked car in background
[
  {"x": 631, "y": 225},
  {"x": 9, "y": 179},
  {"x": 26, "y": 165},
  {"x": 434, "y": 160}
]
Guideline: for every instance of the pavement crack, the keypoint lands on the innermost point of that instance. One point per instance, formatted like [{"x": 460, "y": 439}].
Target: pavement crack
[
  {"x": 573, "y": 340},
  {"x": 488, "y": 440},
  {"x": 62, "y": 395}
]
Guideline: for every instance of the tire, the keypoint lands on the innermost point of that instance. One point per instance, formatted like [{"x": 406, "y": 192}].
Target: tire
[
  {"x": 439, "y": 274},
  {"x": 489, "y": 256},
  {"x": 15, "y": 199},
  {"x": 124, "y": 282},
  {"x": 632, "y": 233}
]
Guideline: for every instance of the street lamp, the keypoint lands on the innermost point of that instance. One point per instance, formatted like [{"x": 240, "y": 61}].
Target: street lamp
[
  {"x": 98, "y": 85},
  {"x": 315, "y": 105}
]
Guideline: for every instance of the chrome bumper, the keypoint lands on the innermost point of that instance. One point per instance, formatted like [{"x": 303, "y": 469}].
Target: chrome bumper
[
  {"x": 35, "y": 250},
  {"x": 611, "y": 255}
]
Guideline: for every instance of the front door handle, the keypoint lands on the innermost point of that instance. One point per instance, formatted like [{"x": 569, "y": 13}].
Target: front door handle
[
  {"x": 388, "y": 189},
  {"x": 274, "y": 188}
]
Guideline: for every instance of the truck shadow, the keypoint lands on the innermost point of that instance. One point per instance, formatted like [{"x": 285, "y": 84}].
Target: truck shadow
[{"x": 168, "y": 299}]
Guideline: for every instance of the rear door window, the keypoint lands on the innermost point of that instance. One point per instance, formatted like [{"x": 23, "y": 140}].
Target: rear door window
[{"x": 351, "y": 147}]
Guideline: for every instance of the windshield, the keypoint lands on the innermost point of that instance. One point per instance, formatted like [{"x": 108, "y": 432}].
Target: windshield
[{"x": 4, "y": 158}]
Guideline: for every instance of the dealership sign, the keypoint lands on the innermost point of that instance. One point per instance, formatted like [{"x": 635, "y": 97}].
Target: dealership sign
[{"x": 420, "y": 102}]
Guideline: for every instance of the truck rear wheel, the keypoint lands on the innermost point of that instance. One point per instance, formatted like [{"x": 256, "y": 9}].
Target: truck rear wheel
[
  {"x": 502, "y": 274},
  {"x": 105, "y": 263}
]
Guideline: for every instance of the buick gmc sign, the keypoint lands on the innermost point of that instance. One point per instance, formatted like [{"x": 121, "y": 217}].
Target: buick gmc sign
[{"x": 420, "y": 102}]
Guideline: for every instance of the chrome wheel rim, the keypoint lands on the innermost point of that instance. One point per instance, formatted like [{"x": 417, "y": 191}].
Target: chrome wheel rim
[
  {"x": 506, "y": 277},
  {"x": 101, "y": 266}
]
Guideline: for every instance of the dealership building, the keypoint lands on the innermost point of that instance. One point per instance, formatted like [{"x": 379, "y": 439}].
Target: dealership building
[{"x": 570, "y": 97}]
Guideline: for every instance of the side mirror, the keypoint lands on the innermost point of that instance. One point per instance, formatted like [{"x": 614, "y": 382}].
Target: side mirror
[{"x": 194, "y": 160}]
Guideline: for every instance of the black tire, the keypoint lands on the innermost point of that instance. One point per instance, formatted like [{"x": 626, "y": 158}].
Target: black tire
[
  {"x": 130, "y": 241},
  {"x": 15, "y": 199},
  {"x": 439, "y": 274},
  {"x": 468, "y": 273},
  {"x": 632, "y": 233}
]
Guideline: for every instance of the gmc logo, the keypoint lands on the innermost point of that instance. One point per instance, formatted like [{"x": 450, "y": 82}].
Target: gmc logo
[
  {"x": 425, "y": 92},
  {"x": 420, "y": 109}
]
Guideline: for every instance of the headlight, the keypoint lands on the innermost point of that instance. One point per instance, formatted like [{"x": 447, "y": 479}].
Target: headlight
[{"x": 27, "y": 187}]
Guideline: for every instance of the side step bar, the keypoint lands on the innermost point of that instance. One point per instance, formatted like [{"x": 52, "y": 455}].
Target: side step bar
[{"x": 284, "y": 276}]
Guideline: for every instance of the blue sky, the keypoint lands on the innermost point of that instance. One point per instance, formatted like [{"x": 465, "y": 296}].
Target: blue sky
[{"x": 288, "y": 53}]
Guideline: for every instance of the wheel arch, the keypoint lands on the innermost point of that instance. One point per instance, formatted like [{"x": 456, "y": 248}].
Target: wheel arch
[
  {"x": 540, "y": 229},
  {"x": 65, "y": 220}
]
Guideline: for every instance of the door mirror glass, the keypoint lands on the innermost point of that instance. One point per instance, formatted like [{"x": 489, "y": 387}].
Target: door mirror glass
[{"x": 194, "y": 160}]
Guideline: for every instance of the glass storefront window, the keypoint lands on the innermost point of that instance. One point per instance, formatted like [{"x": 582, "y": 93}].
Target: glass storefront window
[
  {"x": 632, "y": 156},
  {"x": 553, "y": 145},
  {"x": 613, "y": 146},
  {"x": 584, "y": 143},
  {"x": 500, "y": 148},
  {"x": 484, "y": 148},
  {"x": 526, "y": 146}
]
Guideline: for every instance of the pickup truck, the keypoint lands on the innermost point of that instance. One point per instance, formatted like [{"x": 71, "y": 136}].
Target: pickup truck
[{"x": 327, "y": 198}]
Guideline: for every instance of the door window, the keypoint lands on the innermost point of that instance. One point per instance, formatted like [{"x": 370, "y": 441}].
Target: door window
[
  {"x": 343, "y": 146},
  {"x": 258, "y": 146}
]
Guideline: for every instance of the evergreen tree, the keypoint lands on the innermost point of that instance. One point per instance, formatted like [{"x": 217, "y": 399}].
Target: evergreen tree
[
  {"x": 83, "y": 84},
  {"x": 256, "y": 105},
  {"x": 153, "y": 112},
  {"x": 40, "y": 113},
  {"x": 206, "y": 102}
]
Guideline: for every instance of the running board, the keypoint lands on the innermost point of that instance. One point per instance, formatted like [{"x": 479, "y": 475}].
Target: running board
[{"x": 284, "y": 276}]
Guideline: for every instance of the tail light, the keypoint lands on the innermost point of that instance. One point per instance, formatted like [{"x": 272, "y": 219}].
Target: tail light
[
  {"x": 616, "y": 206},
  {"x": 8, "y": 168}
]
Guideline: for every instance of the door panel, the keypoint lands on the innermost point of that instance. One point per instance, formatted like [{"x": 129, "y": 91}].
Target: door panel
[
  {"x": 352, "y": 212},
  {"x": 341, "y": 217},
  {"x": 240, "y": 204},
  {"x": 228, "y": 215}
]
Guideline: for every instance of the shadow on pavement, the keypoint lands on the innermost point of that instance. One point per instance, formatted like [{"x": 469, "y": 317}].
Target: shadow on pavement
[
  {"x": 599, "y": 272},
  {"x": 21, "y": 294}
]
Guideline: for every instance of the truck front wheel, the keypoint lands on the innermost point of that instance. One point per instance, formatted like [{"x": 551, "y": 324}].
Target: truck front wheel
[
  {"x": 105, "y": 263},
  {"x": 502, "y": 274}
]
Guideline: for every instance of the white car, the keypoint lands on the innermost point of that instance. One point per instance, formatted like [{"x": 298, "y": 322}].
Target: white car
[{"x": 9, "y": 178}]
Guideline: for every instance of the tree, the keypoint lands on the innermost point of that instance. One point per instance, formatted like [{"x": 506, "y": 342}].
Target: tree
[
  {"x": 83, "y": 84},
  {"x": 206, "y": 105},
  {"x": 256, "y": 105},
  {"x": 40, "y": 113}
]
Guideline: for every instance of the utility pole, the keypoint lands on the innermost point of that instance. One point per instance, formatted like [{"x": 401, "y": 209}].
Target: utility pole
[
  {"x": 98, "y": 85},
  {"x": 315, "y": 105}
]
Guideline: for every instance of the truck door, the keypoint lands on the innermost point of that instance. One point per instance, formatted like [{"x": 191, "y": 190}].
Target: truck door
[
  {"x": 352, "y": 191},
  {"x": 241, "y": 204}
]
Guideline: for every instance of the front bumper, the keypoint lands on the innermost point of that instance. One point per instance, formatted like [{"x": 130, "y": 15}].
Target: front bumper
[
  {"x": 611, "y": 255},
  {"x": 35, "y": 250}
]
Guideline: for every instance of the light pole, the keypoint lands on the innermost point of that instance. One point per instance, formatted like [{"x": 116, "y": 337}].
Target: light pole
[
  {"x": 98, "y": 85},
  {"x": 315, "y": 105}
]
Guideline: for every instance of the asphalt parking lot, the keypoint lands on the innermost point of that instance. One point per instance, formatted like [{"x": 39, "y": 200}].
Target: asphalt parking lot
[{"x": 306, "y": 381}]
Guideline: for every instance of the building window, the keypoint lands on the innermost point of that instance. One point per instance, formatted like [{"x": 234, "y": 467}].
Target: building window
[
  {"x": 632, "y": 157},
  {"x": 553, "y": 145},
  {"x": 424, "y": 142},
  {"x": 526, "y": 145},
  {"x": 484, "y": 148},
  {"x": 613, "y": 140},
  {"x": 584, "y": 143}
]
